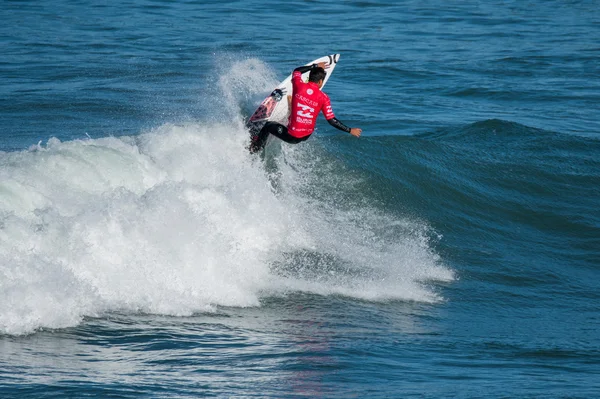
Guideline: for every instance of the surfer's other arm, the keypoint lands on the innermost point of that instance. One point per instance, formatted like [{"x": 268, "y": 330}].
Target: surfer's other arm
[{"x": 304, "y": 69}]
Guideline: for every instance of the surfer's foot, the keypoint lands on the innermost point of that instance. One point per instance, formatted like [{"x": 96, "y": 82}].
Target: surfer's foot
[{"x": 254, "y": 146}]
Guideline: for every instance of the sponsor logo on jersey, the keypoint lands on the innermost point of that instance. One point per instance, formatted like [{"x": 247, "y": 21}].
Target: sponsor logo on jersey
[
  {"x": 305, "y": 111},
  {"x": 306, "y": 100}
]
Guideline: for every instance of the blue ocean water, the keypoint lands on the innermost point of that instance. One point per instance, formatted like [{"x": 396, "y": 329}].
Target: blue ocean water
[{"x": 452, "y": 251}]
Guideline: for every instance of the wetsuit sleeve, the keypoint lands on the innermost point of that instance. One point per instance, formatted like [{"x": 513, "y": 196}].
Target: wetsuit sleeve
[
  {"x": 297, "y": 74},
  {"x": 306, "y": 68},
  {"x": 330, "y": 116},
  {"x": 338, "y": 125}
]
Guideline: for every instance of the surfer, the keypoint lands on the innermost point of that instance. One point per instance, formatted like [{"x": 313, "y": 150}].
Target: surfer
[{"x": 307, "y": 101}]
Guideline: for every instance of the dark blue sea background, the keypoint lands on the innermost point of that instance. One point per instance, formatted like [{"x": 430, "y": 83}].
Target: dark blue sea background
[{"x": 452, "y": 251}]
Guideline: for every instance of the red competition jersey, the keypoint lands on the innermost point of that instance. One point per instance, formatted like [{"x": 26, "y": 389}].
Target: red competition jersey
[{"x": 307, "y": 101}]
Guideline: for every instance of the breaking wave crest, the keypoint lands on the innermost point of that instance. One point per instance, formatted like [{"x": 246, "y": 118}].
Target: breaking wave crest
[{"x": 181, "y": 219}]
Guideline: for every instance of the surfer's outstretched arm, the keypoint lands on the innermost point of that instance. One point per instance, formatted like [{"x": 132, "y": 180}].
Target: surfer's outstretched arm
[
  {"x": 340, "y": 126},
  {"x": 336, "y": 123}
]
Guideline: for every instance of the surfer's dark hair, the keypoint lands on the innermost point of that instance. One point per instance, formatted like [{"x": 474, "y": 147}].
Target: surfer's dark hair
[{"x": 316, "y": 74}]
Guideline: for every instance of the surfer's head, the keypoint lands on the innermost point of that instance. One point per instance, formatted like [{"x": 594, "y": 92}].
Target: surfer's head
[{"x": 317, "y": 75}]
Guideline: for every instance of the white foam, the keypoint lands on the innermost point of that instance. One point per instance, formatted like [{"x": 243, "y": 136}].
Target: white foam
[
  {"x": 357, "y": 250},
  {"x": 179, "y": 220}
]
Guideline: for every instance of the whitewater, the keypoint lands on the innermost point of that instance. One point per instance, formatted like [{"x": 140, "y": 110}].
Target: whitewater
[{"x": 182, "y": 219}]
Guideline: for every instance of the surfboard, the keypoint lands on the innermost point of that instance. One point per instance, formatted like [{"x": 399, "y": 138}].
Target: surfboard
[{"x": 275, "y": 108}]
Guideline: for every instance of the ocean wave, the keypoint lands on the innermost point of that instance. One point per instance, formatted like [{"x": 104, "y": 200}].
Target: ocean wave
[
  {"x": 502, "y": 189},
  {"x": 181, "y": 220}
]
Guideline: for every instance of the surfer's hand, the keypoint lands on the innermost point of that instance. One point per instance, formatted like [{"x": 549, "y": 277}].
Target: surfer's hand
[
  {"x": 323, "y": 65},
  {"x": 355, "y": 131}
]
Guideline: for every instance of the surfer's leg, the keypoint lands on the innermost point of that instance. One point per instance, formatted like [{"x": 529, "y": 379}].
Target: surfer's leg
[
  {"x": 281, "y": 132},
  {"x": 259, "y": 140},
  {"x": 277, "y": 130}
]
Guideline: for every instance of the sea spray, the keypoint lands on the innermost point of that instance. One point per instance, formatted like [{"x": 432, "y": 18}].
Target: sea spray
[
  {"x": 342, "y": 244},
  {"x": 182, "y": 219},
  {"x": 135, "y": 227}
]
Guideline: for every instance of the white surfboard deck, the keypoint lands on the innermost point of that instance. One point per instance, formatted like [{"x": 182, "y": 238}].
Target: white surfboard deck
[{"x": 275, "y": 108}]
